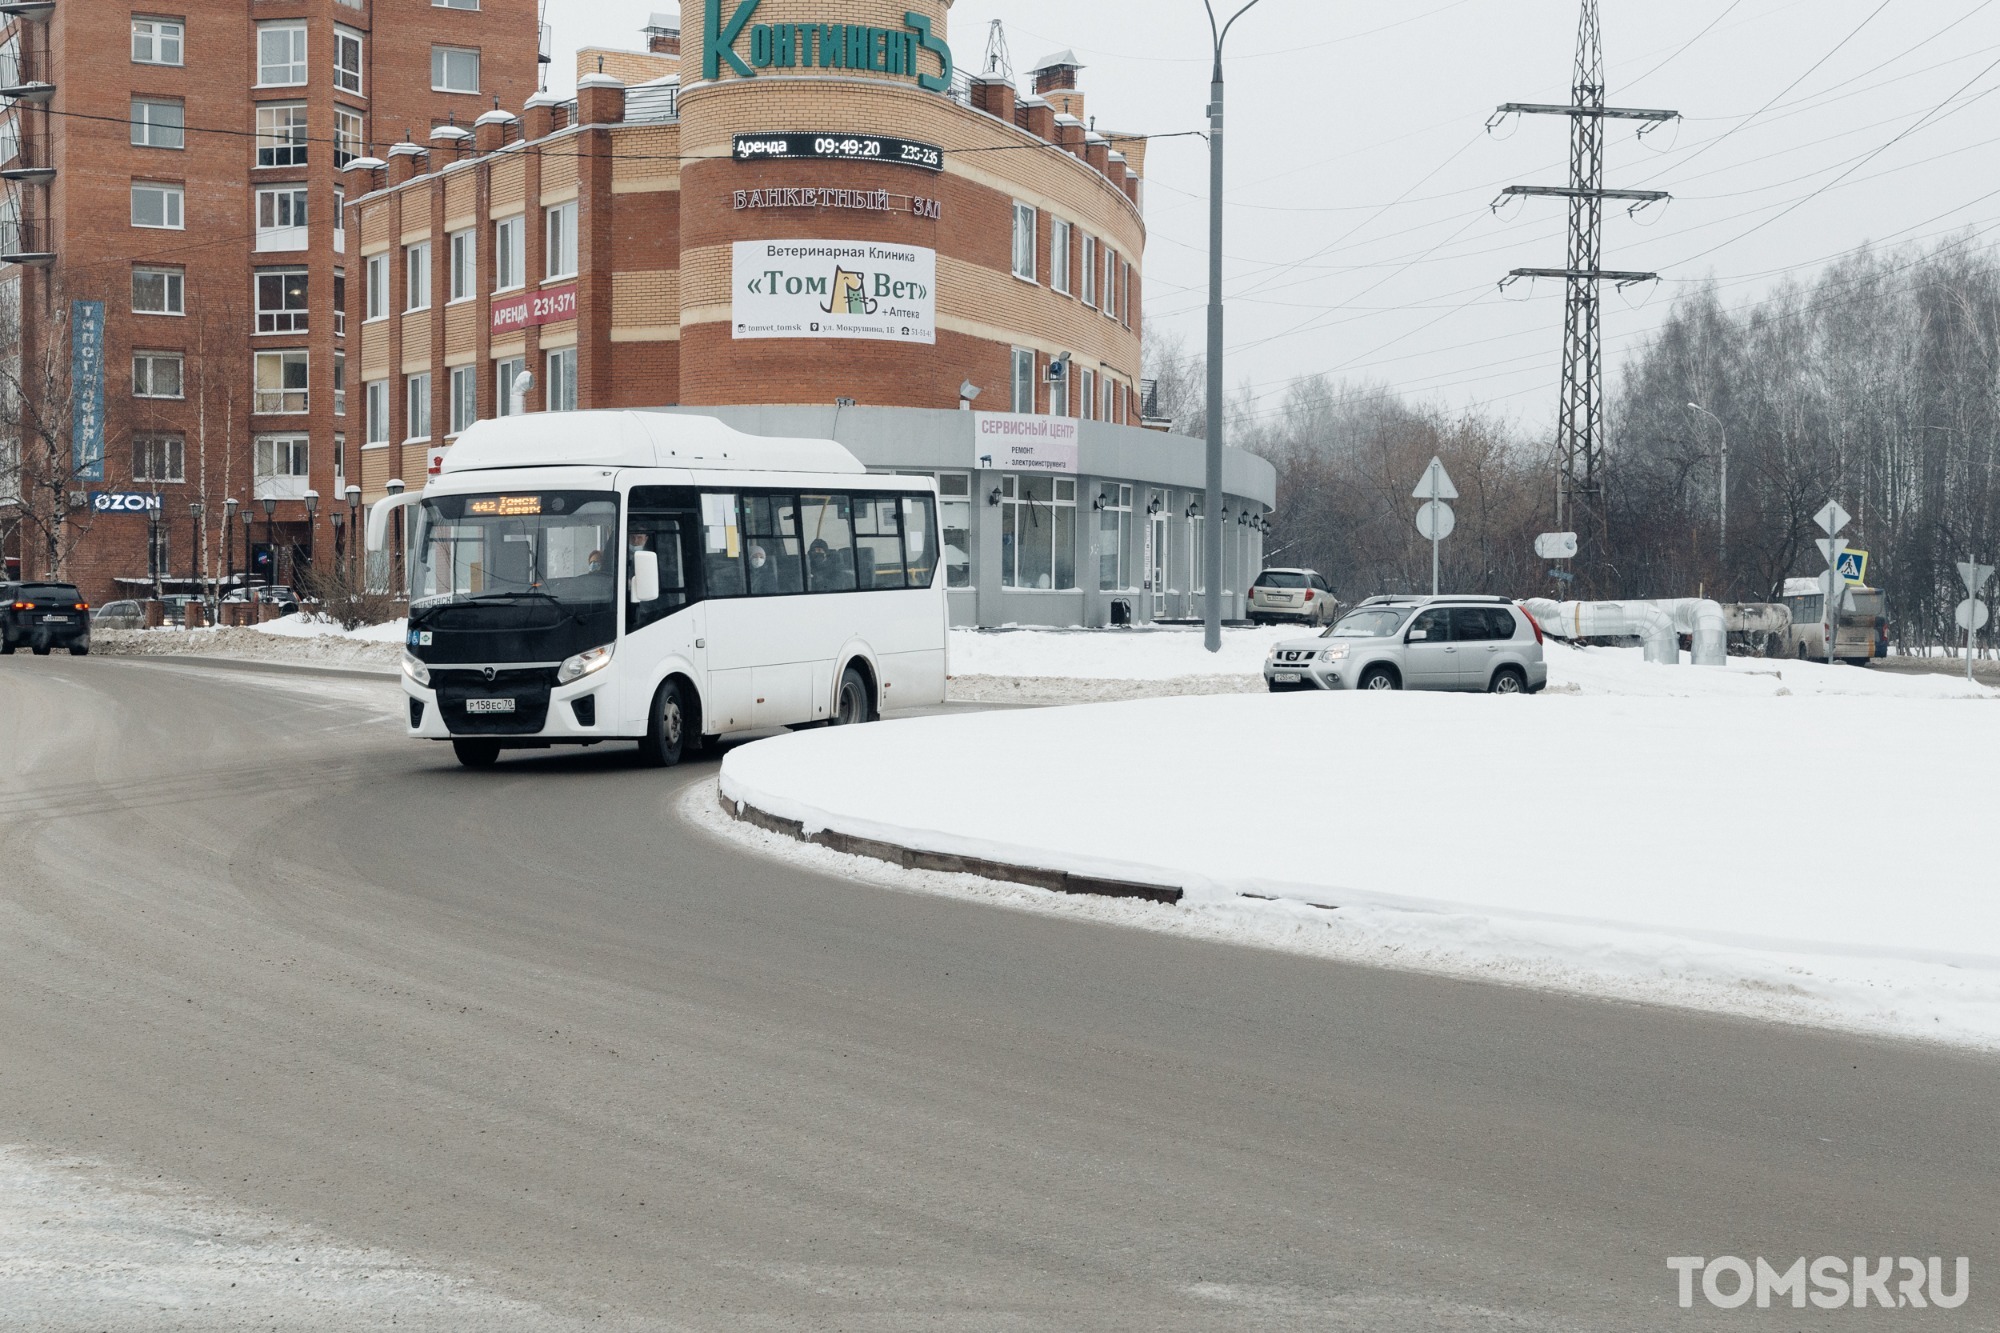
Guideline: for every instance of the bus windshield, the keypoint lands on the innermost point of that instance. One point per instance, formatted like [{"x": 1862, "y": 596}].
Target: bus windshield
[{"x": 550, "y": 546}]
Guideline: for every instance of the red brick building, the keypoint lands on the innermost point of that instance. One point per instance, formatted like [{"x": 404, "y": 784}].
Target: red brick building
[
  {"x": 183, "y": 165},
  {"x": 818, "y": 213}
]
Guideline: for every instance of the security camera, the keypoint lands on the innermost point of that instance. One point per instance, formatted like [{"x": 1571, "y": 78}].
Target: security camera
[{"x": 968, "y": 391}]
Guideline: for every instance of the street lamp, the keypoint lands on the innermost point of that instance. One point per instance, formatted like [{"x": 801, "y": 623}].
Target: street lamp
[
  {"x": 270, "y": 503},
  {"x": 228, "y": 541},
  {"x": 1721, "y": 488},
  {"x": 1212, "y": 548},
  {"x": 194, "y": 544},
  {"x": 395, "y": 487},
  {"x": 312, "y": 509},
  {"x": 353, "y": 527}
]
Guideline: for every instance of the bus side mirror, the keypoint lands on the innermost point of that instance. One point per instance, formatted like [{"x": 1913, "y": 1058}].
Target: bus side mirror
[{"x": 645, "y": 582}]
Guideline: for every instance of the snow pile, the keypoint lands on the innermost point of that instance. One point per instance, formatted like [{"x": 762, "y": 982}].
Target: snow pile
[
  {"x": 1809, "y": 857},
  {"x": 308, "y": 625}
]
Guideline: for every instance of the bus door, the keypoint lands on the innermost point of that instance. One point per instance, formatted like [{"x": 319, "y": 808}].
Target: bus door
[{"x": 664, "y": 520}]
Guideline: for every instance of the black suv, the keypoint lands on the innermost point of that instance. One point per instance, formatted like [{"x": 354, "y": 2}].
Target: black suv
[{"x": 44, "y": 616}]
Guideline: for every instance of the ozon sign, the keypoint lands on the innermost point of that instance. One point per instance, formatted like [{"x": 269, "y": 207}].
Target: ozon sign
[
  {"x": 910, "y": 51},
  {"x": 531, "y": 308}
]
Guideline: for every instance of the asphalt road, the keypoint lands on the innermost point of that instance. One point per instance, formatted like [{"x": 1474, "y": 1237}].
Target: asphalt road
[{"x": 527, "y": 1027}]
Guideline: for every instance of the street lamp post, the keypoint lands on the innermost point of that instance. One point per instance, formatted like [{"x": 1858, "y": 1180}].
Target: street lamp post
[
  {"x": 1212, "y": 547},
  {"x": 228, "y": 540},
  {"x": 270, "y": 503},
  {"x": 195, "y": 510},
  {"x": 312, "y": 510},
  {"x": 353, "y": 532},
  {"x": 249, "y": 517},
  {"x": 1721, "y": 489}
]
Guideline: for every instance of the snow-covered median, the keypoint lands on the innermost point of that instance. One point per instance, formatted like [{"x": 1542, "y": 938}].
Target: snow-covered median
[
  {"x": 1782, "y": 839},
  {"x": 305, "y": 640}
]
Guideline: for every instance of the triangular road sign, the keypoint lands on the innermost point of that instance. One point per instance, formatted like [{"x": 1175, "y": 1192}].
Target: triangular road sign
[
  {"x": 1831, "y": 549},
  {"x": 1832, "y": 518},
  {"x": 1975, "y": 575},
  {"x": 1435, "y": 484}
]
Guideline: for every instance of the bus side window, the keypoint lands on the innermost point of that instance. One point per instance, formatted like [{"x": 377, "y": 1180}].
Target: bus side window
[
  {"x": 662, "y": 534},
  {"x": 878, "y": 542},
  {"x": 771, "y": 545},
  {"x": 920, "y": 549},
  {"x": 829, "y": 537},
  {"x": 721, "y": 546}
]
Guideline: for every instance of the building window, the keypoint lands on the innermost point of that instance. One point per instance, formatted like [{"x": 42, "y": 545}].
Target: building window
[
  {"x": 561, "y": 250},
  {"x": 1089, "y": 270},
  {"x": 955, "y": 517},
  {"x": 282, "y": 305},
  {"x": 417, "y": 276},
  {"x": 281, "y": 382},
  {"x": 281, "y": 456},
  {"x": 158, "y": 123},
  {"x": 1024, "y": 380},
  {"x": 464, "y": 397},
  {"x": 559, "y": 390},
  {"x": 1125, "y": 294},
  {"x": 347, "y": 136},
  {"x": 10, "y": 139},
  {"x": 376, "y": 428},
  {"x": 455, "y": 4},
  {"x": 1037, "y": 532},
  {"x": 510, "y": 253},
  {"x": 339, "y": 460},
  {"x": 454, "y": 69},
  {"x": 340, "y": 303},
  {"x": 339, "y": 214},
  {"x": 504, "y": 375},
  {"x": 1110, "y": 283},
  {"x": 281, "y": 55},
  {"x": 281, "y": 218},
  {"x": 159, "y": 458},
  {"x": 1059, "y": 393},
  {"x": 347, "y": 60},
  {"x": 340, "y": 384},
  {"x": 1024, "y": 242},
  {"x": 157, "y": 41},
  {"x": 378, "y": 287},
  {"x": 1114, "y": 536},
  {"x": 417, "y": 407},
  {"x": 156, "y": 374},
  {"x": 1109, "y": 388},
  {"x": 281, "y": 134},
  {"x": 159, "y": 291},
  {"x": 1086, "y": 393},
  {"x": 157, "y": 206},
  {"x": 1059, "y": 233},
  {"x": 464, "y": 265},
  {"x": 1196, "y": 579}
]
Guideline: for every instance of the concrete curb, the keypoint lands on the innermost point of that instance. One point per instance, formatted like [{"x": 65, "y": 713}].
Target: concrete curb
[{"x": 911, "y": 858}]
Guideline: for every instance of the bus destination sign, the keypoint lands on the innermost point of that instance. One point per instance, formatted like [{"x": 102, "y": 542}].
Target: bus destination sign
[{"x": 838, "y": 146}]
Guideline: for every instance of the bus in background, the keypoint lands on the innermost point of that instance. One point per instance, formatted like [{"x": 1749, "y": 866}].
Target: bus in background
[
  {"x": 1863, "y": 634},
  {"x": 580, "y": 577}
]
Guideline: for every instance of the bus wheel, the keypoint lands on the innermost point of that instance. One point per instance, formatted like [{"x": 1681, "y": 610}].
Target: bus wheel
[
  {"x": 851, "y": 704},
  {"x": 476, "y": 754},
  {"x": 666, "y": 734}
]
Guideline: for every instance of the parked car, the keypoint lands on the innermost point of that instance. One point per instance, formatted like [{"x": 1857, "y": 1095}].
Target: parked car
[
  {"x": 118, "y": 615},
  {"x": 45, "y": 616},
  {"x": 1417, "y": 643},
  {"x": 1290, "y": 594},
  {"x": 278, "y": 595}
]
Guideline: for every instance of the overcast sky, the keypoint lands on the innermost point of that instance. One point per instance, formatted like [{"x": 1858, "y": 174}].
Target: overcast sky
[{"x": 1360, "y": 241}]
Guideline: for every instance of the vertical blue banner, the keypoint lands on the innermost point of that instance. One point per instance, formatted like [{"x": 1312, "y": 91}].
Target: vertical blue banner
[{"x": 86, "y": 379}]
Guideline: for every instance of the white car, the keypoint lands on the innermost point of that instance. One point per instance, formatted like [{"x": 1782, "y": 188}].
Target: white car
[
  {"x": 1483, "y": 644},
  {"x": 1290, "y": 594}
]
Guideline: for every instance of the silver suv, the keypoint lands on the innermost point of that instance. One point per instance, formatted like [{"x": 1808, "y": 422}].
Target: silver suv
[{"x": 1417, "y": 643}]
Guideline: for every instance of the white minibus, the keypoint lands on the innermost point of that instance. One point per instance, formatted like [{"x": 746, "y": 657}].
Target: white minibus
[{"x": 579, "y": 577}]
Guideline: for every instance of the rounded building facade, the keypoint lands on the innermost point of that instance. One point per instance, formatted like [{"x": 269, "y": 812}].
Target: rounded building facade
[{"x": 805, "y": 219}]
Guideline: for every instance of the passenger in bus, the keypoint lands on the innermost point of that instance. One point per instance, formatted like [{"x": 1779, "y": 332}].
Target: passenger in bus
[
  {"x": 763, "y": 574},
  {"x": 819, "y": 556},
  {"x": 596, "y": 561}
]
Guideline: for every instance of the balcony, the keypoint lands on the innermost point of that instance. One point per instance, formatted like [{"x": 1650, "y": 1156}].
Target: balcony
[
  {"x": 35, "y": 11},
  {"x": 34, "y": 92},
  {"x": 28, "y": 175},
  {"x": 25, "y": 244}
]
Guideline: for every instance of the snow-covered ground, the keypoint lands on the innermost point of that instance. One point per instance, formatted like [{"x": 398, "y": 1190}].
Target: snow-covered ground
[
  {"x": 299, "y": 639},
  {"x": 1784, "y": 839}
]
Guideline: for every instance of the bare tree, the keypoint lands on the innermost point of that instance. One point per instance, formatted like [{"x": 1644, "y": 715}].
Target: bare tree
[{"x": 39, "y": 404}]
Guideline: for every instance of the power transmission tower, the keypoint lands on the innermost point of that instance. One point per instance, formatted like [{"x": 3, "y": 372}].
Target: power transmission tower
[
  {"x": 1580, "y": 420},
  {"x": 998, "y": 61}
]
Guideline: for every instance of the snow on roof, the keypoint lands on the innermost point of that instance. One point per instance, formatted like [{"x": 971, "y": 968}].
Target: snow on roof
[
  {"x": 1063, "y": 59},
  {"x": 636, "y": 439}
]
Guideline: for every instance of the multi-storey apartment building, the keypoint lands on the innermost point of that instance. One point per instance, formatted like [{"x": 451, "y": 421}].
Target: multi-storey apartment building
[{"x": 173, "y": 263}]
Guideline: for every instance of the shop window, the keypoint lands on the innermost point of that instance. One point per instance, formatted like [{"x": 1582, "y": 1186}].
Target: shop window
[
  {"x": 955, "y": 518},
  {"x": 1038, "y": 532},
  {"x": 1114, "y": 535}
]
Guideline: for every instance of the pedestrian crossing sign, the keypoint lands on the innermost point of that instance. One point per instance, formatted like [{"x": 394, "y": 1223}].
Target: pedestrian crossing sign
[{"x": 1854, "y": 565}]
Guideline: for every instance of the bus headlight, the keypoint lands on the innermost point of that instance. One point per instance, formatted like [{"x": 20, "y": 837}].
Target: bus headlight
[
  {"x": 416, "y": 670},
  {"x": 585, "y": 663}
]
